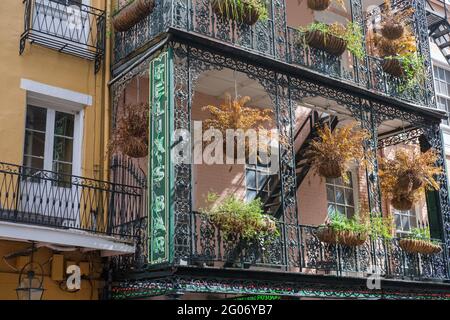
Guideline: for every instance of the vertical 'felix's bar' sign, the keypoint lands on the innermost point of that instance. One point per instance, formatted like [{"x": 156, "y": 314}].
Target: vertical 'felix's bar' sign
[{"x": 159, "y": 167}]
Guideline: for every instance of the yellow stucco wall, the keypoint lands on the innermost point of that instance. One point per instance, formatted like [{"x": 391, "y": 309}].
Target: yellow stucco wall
[
  {"x": 91, "y": 285},
  {"x": 60, "y": 70},
  {"x": 52, "y": 68}
]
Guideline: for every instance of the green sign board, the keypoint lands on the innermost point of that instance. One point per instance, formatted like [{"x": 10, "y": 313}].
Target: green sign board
[{"x": 160, "y": 173}]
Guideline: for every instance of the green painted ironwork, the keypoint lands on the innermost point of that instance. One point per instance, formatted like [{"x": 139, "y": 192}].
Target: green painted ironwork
[{"x": 160, "y": 177}]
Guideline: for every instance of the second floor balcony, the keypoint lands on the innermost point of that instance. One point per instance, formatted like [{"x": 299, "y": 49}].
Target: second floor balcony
[
  {"x": 280, "y": 37},
  {"x": 67, "y": 26}
]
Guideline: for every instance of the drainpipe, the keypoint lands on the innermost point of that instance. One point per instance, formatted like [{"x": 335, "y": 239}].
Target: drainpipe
[{"x": 106, "y": 98}]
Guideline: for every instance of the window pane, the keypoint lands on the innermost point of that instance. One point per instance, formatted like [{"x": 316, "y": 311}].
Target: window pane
[
  {"x": 250, "y": 195},
  {"x": 36, "y": 118},
  {"x": 32, "y": 162},
  {"x": 64, "y": 124},
  {"x": 412, "y": 221},
  {"x": 331, "y": 209},
  {"x": 350, "y": 212},
  {"x": 63, "y": 177},
  {"x": 330, "y": 193},
  {"x": 34, "y": 143},
  {"x": 349, "y": 197},
  {"x": 251, "y": 179},
  {"x": 398, "y": 224},
  {"x": 261, "y": 180},
  {"x": 340, "y": 195},
  {"x": 63, "y": 149},
  {"x": 405, "y": 223},
  {"x": 341, "y": 209}
]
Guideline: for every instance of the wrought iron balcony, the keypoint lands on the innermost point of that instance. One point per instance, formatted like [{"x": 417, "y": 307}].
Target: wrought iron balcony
[
  {"x": 46, "y": 198},
  {"x": 201, "y": 244},
  {"x": 274, "y": 39},
  {"x": 67, "y": 26}
]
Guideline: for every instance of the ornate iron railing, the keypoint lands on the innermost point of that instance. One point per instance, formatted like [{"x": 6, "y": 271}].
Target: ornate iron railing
[
  {"x": 274, "y": 39},
  {"x": 52, "y": 199},
  {"x": 303, "y": 253},
  {"x": 66, "y": 26}
]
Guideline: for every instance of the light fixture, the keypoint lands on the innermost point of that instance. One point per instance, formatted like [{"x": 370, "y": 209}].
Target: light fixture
[{"x": 31, "y": 279}]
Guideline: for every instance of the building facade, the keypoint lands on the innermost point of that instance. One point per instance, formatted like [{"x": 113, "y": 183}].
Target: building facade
[
  {"x": 184, "y": 56},
  {"x": 54, "y": 196},
  {"x": 101, "y": 172}
]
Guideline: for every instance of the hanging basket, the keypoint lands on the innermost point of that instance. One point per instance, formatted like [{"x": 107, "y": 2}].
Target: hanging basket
[
  {"x": 326, "y": 42},
  {"x": 393, "y": 67},
  {"x": 131, "y": 14},
  {"x": 392, "y": 31},
  {"x": 222, "y": 8},
  {"x": 419, "y": 246},
  {"x": 318, "y": 5},
  {"x": 131, "y": 135},
  {"x": 402, "y": 202},
  {"x": 327, "y": 235},
  {"x": 352, "y": 239},
  {"x": 330, "y": 169},
  {"x": 408, "y": 183}
]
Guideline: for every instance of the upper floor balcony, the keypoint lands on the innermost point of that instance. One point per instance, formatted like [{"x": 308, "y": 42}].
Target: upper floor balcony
[
  {"x": 284, "y": 35},
  {"x": 67, "y": 26},
  {"x": 46, "y": 206}
]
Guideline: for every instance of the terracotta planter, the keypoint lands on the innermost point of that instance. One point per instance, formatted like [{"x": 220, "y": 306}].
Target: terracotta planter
[
  {"x": 419, "y": 246},
  {"x": 352, "y": 239},
  {"x": 327, "y": 235},
  {"x": 331, "y": 170},
  {"x": 402, "y": 202},
  {"x": 393, "y": 67},
  {"x": 328, "y": 43},
  {"x": 392, "y": 31},
  {"x": 318, "y": 5},
  {"x": 132, "y": 14},
  {"x": 224, "y": 9}
]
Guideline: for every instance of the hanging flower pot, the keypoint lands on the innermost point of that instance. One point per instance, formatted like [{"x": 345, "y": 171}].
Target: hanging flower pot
[
  {"x": 402, "y": 202},
  {"x": 331, "y": 169},
  {"x": 131, "y": 135},
  {"x": 392, "y": 30},
  {"x": 326, "y": 234},
  {"x": 247, "y": 11},
  {"x": 408, "y": 182},
  {"x": 393, "y": 67},
  {"x": 318, "y": 5},
  {"x": 327, "y": 42},
  {"x": 351, "y": 238},
  {"x": 411, "y": 245},
  {"x": 331, "y": 153},
  {"x": 131, "y": 14}
]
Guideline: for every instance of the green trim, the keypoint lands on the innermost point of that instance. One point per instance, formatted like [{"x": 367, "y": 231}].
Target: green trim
[{"x": 160, "y": 175}]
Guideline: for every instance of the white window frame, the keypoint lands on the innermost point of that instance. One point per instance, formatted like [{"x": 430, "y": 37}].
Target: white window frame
[
  {"x": 414, "y": 211},
  {"x": 438, "y": 94},
  {"x": 355, "y": 188}
]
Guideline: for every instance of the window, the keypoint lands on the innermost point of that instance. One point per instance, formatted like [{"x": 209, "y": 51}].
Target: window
[
  {"x": 341, "y": 195},
  {"x": 256, "y": 181},
  {"x": 442, "y": 85},
  {"x": 49, "y": 141},
  {"x": 404, "y": 221}
]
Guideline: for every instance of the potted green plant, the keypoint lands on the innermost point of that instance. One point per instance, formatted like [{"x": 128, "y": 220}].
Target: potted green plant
[
  {"x": 419, "y": 241},
  {"x": 351, "y": 232},
  {"x": 243, "y": 11},
  {"x": 400, "y": 57},
  {"x": 332, "y": 152},
  {"x": 240, "y": 220},
  {"x": 334, "y": 38},
  {"x": 133, "y": 12},
  {"x": 405, "y": 177}
]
